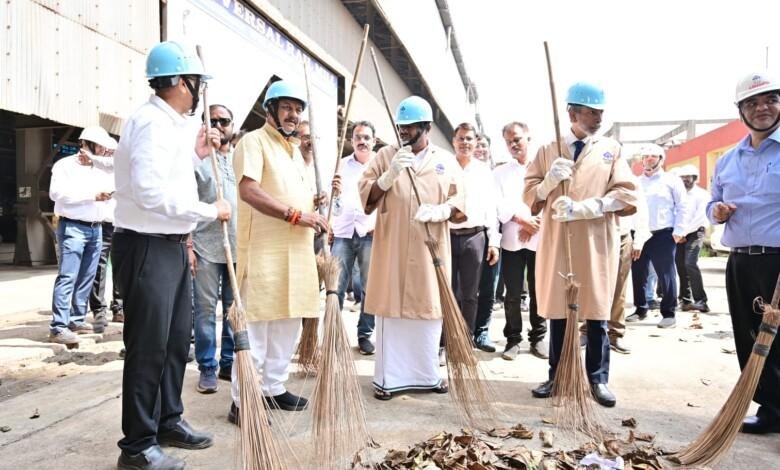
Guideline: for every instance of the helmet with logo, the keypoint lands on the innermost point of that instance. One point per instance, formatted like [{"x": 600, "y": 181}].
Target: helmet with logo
[
  {"x": 688, "y": 170},
  {"x": 586, "y": 94},
  {"x": 284, "y": 89},
  {"x": 651, "y": 149},
  {"x": 411, "y": 110},
  {"x": 755, "y": 84},
  {"x": 97, "y": 135},
  {"x": 171, "y": 58}
]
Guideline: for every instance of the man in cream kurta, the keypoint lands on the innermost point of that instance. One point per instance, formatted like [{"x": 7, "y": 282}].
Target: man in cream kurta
[
  {"x": 276, "y": 268},
  {"x": 402, "y": 291},
  {"x": 600, "y": 184}
]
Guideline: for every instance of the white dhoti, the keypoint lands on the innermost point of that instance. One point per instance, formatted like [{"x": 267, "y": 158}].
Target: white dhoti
[
  {"x": 407, "y": 354},
  {"x": 272, "y": 344}
]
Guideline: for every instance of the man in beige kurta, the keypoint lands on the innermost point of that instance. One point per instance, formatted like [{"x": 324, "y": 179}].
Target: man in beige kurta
[
  {"x": 276, "y": 268},
  {"x": 402, "y": 291},
  {"x": 600, "y": 187}
]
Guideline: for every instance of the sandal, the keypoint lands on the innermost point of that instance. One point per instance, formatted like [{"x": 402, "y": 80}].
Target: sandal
[
  {"x": 382, "y": 395},
  {"x": 444, "y": 387}
]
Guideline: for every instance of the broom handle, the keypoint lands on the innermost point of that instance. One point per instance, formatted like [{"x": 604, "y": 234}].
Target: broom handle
[
  {"x": 397, "y": 134},
  {"x": 567, "y": 235},
  {"x": 220, "y": 195},
  {"x": 343, "y": 135},
  {"x": 776, "y": 296}
]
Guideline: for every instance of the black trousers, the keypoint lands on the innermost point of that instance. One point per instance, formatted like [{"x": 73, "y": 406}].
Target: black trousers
[
  {"x": 748, "y": 277},
  {"x": 596, "y": 351},
  {"x": 659, "y": 250},
  {"x": 513, "y": 266},
  {"x": 468, "y": 251},
  {"x": 154, "y": 281},
  {"x": 97, "y": 298},
  {"x": 687, "y": 261}
]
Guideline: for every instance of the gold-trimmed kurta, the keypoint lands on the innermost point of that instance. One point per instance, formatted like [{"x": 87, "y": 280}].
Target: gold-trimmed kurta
[
  {"x": 401, "y": 277},
  {"x": 276, "y": 268},
  {"x": 595, "y": 244}
]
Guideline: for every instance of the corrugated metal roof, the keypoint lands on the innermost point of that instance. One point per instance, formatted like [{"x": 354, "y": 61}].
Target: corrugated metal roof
[{"x": 71, "y": 61}]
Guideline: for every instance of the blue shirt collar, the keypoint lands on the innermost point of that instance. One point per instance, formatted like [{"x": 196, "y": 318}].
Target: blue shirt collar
[{"x": 744, "y": 144}]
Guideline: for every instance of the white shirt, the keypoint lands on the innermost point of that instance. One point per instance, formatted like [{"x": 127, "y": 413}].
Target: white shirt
[
  {"x": 698, "y": 198},
  {"x": 106, "y": 177},
  {"x": 510, "y": 184},
  {"x": 570, "y": 138},
  {"x": 154, "y": 167},
  {"x": 667, "y": 202},
  {"x": 73, "y": 189},
  {"x": 349, "y": 216},
  {"x": 480, "y": 200}
]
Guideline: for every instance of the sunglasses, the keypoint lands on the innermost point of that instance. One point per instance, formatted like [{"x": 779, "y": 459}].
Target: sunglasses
[{"x": 224, "y": 122}]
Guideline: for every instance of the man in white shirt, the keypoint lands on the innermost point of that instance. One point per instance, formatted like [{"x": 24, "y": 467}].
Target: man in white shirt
[
  {"x": 157, "y": 207},
  {"x": 667, "y": 210},
  {"x": 97, "y": 299},
  {"x": 519, "y": 239},
  {"x": 80, "y": 197},
  {"x": 692, "y": 292},
  {"x": 353, "y": 229},
  {"x": 468, "y": 238}
]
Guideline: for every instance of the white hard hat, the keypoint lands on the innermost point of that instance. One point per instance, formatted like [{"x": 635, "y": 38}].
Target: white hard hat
[
  {"x": 111, "y": 144},
  {"x": 96, "y": 134},
  {"x": 688, "y": 170},
  {"x": 651, "y": 149},
  {"x": 755, "y": 84}
]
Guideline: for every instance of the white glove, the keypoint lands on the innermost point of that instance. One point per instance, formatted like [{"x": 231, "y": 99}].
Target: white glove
[
  {"x": 433, "y": 213},
  {"x": 567, "y": 210},
  {"x": 402, "y": 159},
  {"x": 560, "y": 170}
]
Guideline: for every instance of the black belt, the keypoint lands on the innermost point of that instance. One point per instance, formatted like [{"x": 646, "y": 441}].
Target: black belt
[
  {"x": 466, "y": 231},
  {"x": 174, "y": 237},
  {"x": 667, "y": 229},
  {"x": 82, "y": 222},
  {"x": 756, "y": 250}
]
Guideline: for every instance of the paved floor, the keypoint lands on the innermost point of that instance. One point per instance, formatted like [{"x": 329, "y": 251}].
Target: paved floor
[{"x": 63, "y": 407}]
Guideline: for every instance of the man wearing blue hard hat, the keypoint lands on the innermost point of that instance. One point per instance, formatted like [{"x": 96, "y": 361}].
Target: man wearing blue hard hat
[
  {"x": 600, "y": 187},
  {"x": 277, "y": 222},
  {"x": 157, "y": 207},
  {"x": 402, "y": 291}
]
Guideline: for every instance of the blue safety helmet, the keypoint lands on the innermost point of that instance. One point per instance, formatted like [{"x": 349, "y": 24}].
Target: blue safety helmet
[
  {"x": 284, "y": 89},
  {"x": 586, "y": 94},
  {"x": 170, "y": 58},
  {"x": 411, "y": 110}
]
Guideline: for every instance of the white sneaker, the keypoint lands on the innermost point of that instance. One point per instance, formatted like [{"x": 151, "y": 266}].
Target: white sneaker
[{"x": 668, "y": 322}]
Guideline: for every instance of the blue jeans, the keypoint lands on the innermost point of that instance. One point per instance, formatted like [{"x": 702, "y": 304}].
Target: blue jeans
[
  {"x": 347, "y": 250},
  {"x": 652, "y": 282},
  {"x": 80, "y": 246},
  {"x": 210, "y": 284}
]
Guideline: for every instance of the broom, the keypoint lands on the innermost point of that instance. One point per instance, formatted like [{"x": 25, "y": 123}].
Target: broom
[
  {"x": 719, "y": 436},
  {"x": 259, "y": 448},
  {"x": 470, "y": 391},
  {"x": 338, "y": 412},
  {"x": 571, "y": 392}
]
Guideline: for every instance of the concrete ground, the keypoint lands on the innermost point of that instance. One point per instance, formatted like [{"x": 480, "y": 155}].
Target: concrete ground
[{"x": 61, "y": 409}]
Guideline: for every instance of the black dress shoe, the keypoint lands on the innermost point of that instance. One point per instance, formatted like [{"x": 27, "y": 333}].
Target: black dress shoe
[
  {"x": 484, "y": 344},
  {"x": 287, "y": 401},
  {"x": 151, "y": 458},
  {"x": 760, "y": 425},
  {"x": 226, "y": 373},
  {"x": 544, "y": 390},
  {"x": 602, "y": 395},
  {"x": 182, "y": 435},
  {"x": 365, "y": 346},
  {"x": 700, "y": 306},
  {"x": 233, "y": 416}
]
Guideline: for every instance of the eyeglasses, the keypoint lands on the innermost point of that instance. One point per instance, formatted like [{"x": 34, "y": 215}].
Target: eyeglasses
[
  {"x": 751, "y": 104},
  {"x": 224, "y": 122}
]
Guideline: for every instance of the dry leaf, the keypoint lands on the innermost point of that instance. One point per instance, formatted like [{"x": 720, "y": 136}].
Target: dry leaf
[
  {"x": 548, "y": 421},
  {"x": 706, "y": 382},
  {"x": 546, "y": 437},
  {"x": 728, "y": 350},
  {"x": 693, "y": 405},
  {"x": 35, "y": 414},
  {"x": 629, "y": 422},
  {"x": 640, "y": 436},
  {"x": 5, "y": 428}
]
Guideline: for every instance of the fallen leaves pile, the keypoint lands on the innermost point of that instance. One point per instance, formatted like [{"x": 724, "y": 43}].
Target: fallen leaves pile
[{"x": 477, "y": 451}]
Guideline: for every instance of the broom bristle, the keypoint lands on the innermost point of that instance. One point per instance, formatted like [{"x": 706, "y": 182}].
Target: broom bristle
[
  {"x": 469, "y": 388},
  {"x": 259, "y": 447},
  {"x": 717, "y": 439},
  {"x": 308, "y": 346},
  {"x": 571, "y": 391},
  {"x": 338, "y": 412}
]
